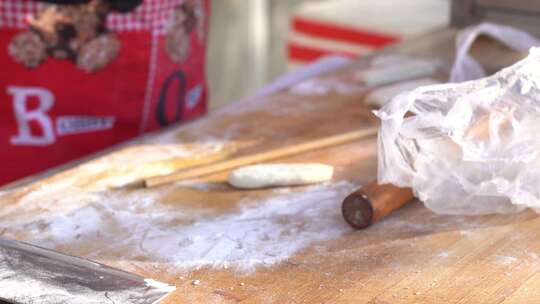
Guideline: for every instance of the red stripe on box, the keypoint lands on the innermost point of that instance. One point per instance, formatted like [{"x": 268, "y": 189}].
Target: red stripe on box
[
  {"x": 339, "y": 32},
  {"x": 303, "y": 53}
]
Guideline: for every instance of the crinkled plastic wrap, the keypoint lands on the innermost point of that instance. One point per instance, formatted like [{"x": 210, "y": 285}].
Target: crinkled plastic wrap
[{"x": 467, "y": 148}]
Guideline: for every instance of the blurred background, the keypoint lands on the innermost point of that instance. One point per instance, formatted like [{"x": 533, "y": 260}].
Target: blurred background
[{"x": 254, "y": 41}]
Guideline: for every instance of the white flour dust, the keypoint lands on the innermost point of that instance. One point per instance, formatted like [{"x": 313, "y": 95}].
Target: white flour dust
[
  {"x": 129, "y": 162},
  {"x": 443, "y": 254},
  {"x": 128, "y": 165},
  {"x": 506, "y": 260},
  {"x": 138, "y": 227}
]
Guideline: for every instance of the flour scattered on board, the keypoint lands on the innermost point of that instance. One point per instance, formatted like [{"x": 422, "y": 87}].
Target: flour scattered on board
[
  {"x": 506, "y": 260},
  {"x": 443, "y": 254},
  {"x": 135, "y": 226},
  {"x": 159, "y": 285}
]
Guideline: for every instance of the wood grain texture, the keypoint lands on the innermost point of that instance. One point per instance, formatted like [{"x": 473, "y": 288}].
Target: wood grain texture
[
  {"x": 266, "y": 156},
  {"x": 412, "y": 256}
]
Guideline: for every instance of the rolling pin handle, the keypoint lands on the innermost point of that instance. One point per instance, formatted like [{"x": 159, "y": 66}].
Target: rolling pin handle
[
  {"x": 357, "y": 210},
  {"x": 373, "y": 202}
]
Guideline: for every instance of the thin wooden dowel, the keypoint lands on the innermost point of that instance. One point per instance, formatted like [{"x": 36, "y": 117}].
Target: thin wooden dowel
[{"x": 260, "y": 157}]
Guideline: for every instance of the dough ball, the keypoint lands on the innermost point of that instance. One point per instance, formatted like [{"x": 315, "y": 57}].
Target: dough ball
[{"x": 271, "y": 175}]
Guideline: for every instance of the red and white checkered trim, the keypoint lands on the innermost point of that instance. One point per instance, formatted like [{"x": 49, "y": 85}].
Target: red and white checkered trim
[
  {"x": 152, "y": 15},
  {"x": 13, "y": 14}
]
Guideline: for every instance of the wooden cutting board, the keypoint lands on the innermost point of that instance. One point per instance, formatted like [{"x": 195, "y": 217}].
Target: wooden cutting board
[{"x": 200, "y": 235}]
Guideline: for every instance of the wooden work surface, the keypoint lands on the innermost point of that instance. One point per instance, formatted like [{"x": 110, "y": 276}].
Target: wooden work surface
[{"x": 414, "y": 256}]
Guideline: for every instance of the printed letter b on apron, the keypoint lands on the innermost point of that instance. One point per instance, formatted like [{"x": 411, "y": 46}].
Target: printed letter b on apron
[{"x": 78, "y": 78}]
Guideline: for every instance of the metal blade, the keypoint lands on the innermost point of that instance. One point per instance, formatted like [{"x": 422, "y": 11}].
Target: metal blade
[{"x": 34, "y": 275}]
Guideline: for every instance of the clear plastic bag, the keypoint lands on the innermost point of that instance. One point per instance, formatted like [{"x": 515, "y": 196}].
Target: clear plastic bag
[
  {"x": 467, "y": 148},
  {"x": 466, "y": 67}
]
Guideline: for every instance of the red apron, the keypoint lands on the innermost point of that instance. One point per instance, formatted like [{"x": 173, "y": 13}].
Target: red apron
[{"x": 76, "y": 79}]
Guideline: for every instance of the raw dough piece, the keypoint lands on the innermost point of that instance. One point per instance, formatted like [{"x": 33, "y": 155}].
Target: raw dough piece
[
  {"x": 262, "y": 176},
  {"x": 381, "y": 96},
  {"x": 408, "y": 69}
]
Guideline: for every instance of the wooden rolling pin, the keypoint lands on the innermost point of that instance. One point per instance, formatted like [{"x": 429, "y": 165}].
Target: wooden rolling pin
[
  {"x": 261, "y": 157},
  {"x": 373, "y": 202}
]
